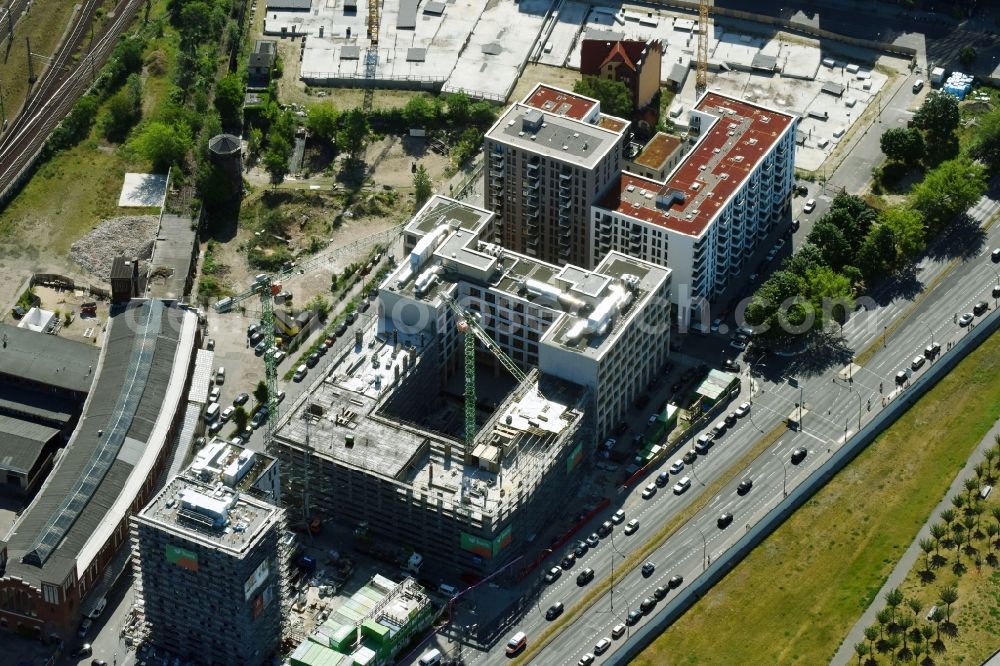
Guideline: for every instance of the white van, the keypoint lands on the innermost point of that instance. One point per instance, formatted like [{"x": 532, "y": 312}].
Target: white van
[
  {"x": 447, "y": 590},
  {"x": 516, "y": 643},
  {"x": 430, "y": 658},
  {"x": 300, "y": 373},
  {"x": 212, "y": 412}
]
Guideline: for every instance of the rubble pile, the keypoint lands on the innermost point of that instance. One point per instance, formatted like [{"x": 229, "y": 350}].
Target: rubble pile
[{"x": 131, "y": 236}]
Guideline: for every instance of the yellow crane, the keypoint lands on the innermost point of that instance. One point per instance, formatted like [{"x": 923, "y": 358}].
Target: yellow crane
[{"x": 701, "y": 70}]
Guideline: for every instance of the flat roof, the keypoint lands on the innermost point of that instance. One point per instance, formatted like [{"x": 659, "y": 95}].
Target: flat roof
[
  {"x": 559, "y": 137},
  {"x": 47, "y": 359},
  {"x": 173, "y": 253},
  {"x": 440, "y": 209},
  {"x": 655, "y": 153},
  {"x": 146, "y": 354},
  {"x": 21, "y": 443},
  {"x": 224, "y": 518},
  {"x": 560, "y": 102},
  {"x": 725, "y": 155}
]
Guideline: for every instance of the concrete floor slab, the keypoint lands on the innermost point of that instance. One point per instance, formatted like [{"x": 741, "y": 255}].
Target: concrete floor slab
[
  {"x": 515, "y": 27},
  {"x": 564, "y": 34}
]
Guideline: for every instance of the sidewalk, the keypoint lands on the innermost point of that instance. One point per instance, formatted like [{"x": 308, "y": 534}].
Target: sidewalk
[{"x": 845, "y": 654}]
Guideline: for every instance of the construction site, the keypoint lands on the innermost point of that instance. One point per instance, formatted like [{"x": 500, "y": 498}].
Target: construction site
[{"x": 457, "y": 436}]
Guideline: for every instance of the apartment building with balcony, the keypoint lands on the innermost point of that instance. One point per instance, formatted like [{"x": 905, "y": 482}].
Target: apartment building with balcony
[
  {"x": 548, "y": 159},
  {"x": 706, "y": 219}
]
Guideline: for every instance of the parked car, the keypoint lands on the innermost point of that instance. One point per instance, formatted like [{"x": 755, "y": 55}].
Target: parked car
[
  {"x": 300, "y": 373},
  {"x": 965, "y": 319},
  {"x": 661, "y": 592},
  {"x": 84, "y": 627},
  {"x": 312, "y": 360},
  {"x": 241, "y": 399},
  {"x": 932, "y": 350},
  {"x": 677, "y": 467},
  {"x": 220, "y": 375},
  {"x": 633, "y": 617},
  {"x": 605, "y": 529},
  {"x": 593, "y": 540},
  {"x": 260, "y": 348},
  {"x": 979, "y": 308},
  {"x": 96, "y": 611},
  {"x": 602, "y": 645},
  {"x": 214, "y": 394},
  {"x": 586, "y": 660},
  {"x": 227, "y": 413},
  {"x": 647, "y": 605},
  {"x": 585, "y": 577},
  {"x": 85, "y": 650},
  {"x": 568, "y": 561},
  {"x": 552, "y": 575},
  {"x": 917, "y": 363},
  {"x": 618, "y": 631},
  {"x": 743, "y": 409},
  {"x": 675, "y": 581},
  {"x": 649, "y": 491},
  {"x": 618, "y": 516},
  {"x": 682, "y": 485},
  {"x": 581, "y": 549},
  {"x": 810, "y": 206}
]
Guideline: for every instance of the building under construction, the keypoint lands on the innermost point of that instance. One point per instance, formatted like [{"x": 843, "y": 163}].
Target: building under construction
[{"x": 382, "y": 440}]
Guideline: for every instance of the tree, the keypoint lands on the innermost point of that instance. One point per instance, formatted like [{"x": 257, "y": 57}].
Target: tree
[
  {"x": 276, "y": 159},
  {"x": 319, "y": 305},
  {"x": 883, "y": 617},
  {"x": 894, "y": 598},
  {"x": 913, "y": 602},
  {"x": 614, "y": 96},
  {"x": 971, "y": 486},
  {"x": 988, "y": 456},
  {"x": 926, "y": 545},
  {"x": 852, "y": 215},
  {"x": 904, "y": 622},
  {"x": 775, "y": 299},
  {"x": 985, "y": 145},
  {"x": 958, "y": 530},
  {"x": 958, "y": 501},
  {"x": 967, "y": 56},
  {"x": 938, "y": 115},
  {"x": 458, "y": 108},
  {"x": 229, "y": 94},
  {"x": 421, "y": 112},
  {"x": 353, "y": 135},
  {"x": 991, "y": 533},
  {"x": 861, "y": 649},
  {"x": 422, "y": 187},
  {"x": 829, "y": 240},
  {"x": 255, "y": 141},
  {"x": 949, "y": 595},
  {"x": 124, "y": 110},
  {"x": 948, "y": 190},
  {"x": 907, "y": 230},
  {"x": 903, "y": 144},
  {"x": 260, "y": 392},
  {"x": 830, "y": 295},
  {"x": 871, "y": 633},
  {"x": 322, "y": 123},
  {"x": 162, "y": 144},
  {"x": 240, "y": 418}
]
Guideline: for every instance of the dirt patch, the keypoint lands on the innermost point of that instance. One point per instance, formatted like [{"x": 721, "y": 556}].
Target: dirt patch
[
  {"x": 559, "y": 77},
  {"x": 130, "y": 236}
]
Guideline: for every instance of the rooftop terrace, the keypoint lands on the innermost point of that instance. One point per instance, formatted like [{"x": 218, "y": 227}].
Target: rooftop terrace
[{"x": 727, "y": 152}]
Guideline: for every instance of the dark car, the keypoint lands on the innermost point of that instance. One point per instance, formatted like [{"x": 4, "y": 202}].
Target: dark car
[
  {"x": 731, "y": 418},
  {"x": 552, "y": 575},
  {"x": 633, "y": 617},
  {"x": 585, "y": 577},
  {"x": 980, "y": 307},
  {"x": 675, "y": 581},
  {"x": 241, "y": 399},
  {"x": 648, "y": 604},
  {"x": 744, "y": 487},
  {"x": 605, "y": 528},
  {"x": 351, "y": 318},
  {"x": 661, "y": 592},
  {"x": 799, "y": 454},
  {"x": 363, "y": 306},
  {"x": 312, "y": 360},
  {"x": 581, "y": 549},
  {"x": 554, "y": 611},
  {"x": 647, "y": 569},
  {"x": 568, "y": 561},
  {"x": 98, "y": 662},
  {"x": 995, "y": 255},
  {"x": 724, "y": 520},
  {"x": 795, "y": 225},
  {"x": 340, "y": 330}
]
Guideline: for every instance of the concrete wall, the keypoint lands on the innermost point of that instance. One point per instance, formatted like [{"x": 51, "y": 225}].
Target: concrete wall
[{"x": 802, "y": 493}]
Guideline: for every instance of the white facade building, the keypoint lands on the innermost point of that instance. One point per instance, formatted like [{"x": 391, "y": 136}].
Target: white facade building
[{"x": 708, "y": 216}]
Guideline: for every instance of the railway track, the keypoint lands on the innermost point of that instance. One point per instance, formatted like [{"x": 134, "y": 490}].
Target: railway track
[{"x": 58, "y": 88}]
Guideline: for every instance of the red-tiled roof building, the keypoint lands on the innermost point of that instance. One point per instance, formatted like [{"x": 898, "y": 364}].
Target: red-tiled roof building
[{"x": 634, "y": 63}]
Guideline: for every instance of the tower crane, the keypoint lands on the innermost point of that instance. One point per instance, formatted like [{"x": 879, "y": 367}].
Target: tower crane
[
  {"x": 467, "y": 323},
  {"x": 264, "y": 289},
  {"x": 701, "y": 71}
]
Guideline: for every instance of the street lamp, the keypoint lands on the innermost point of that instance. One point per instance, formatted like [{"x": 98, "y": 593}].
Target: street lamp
[
  {"x": 704, "y": 550},
  {"x": 784, "y": 478},
  {"x": 622, "y": 555}
]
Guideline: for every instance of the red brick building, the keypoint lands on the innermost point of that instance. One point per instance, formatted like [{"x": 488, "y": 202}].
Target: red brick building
[{"x": 636, "y": 64}]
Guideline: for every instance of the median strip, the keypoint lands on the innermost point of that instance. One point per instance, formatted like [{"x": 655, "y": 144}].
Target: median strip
[{"x": 631, "y": 562}]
